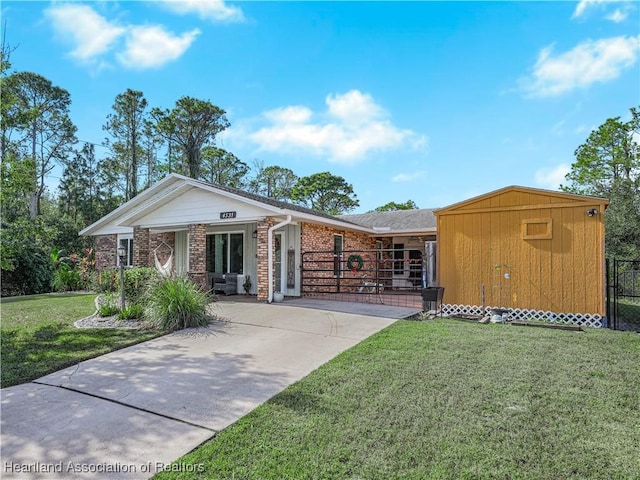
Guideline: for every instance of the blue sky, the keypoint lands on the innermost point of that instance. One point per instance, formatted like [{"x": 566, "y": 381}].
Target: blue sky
[{"x": 430, "y": 101}]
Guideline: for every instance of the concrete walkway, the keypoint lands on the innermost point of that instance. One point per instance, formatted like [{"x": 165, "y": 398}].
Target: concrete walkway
[
  {"x": 358, "y": 308},
  {"x": 129, "y": 413}
]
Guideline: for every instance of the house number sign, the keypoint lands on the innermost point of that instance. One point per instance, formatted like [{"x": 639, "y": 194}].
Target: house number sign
[{"x": 226, "y": 215}]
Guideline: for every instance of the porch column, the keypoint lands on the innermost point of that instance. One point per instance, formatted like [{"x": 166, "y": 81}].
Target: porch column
[
  {"x": 262, "y": 287},
  {"x": 197, "y": 254},
  {"x": 140, "y": 247}
]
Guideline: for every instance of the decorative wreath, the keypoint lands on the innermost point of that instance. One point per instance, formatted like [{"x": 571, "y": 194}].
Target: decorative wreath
[{"x": 355, "y": 263}]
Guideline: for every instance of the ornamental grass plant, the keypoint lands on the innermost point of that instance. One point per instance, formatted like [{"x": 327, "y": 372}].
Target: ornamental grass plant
[{"x": 177, "y": 302}]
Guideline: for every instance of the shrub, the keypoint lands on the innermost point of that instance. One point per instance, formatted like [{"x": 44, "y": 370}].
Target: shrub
[
  {"x": 106, "y": 281},
  {"x": 86, "y": 267},
  {"x": 137, "y": 281},
  {"x": 72, "y": 272},
  {"x": 108, "y": 310},
  {"x": 108, "y": 305},
  {"x": 66, "y": 278},
  {"x": 32, "y": 273},
  {"x": 175, "y": 303},
  {"x": 133, "y": 311}
]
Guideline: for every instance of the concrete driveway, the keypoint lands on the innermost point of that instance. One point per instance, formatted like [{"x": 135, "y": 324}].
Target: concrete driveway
[{"x": 129, "y": 413}]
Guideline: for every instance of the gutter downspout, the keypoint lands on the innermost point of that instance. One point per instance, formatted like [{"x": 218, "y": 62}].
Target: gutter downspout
[{"x": 270, "y": 254}]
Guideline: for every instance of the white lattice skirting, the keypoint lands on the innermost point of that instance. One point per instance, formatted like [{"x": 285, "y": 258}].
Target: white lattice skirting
[{"x": 582, "y": 319}]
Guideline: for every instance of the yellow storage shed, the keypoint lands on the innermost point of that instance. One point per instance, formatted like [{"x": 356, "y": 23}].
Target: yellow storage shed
[{"x": 524, "y": 248}]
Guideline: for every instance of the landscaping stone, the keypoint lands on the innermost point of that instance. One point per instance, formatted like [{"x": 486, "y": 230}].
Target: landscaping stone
[{"x": 96, "y": 321}]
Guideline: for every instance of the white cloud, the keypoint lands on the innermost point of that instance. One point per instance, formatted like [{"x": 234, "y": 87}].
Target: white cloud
[
  {"x": 289, "y": 115},
  {"x": 352, "y": 126},
  {"x": 90, "y": 33},
  {"x": 215, "y": 10},
  {"x": 408, "y": 177},
  {"x": 552, "y": 177},
  {"x": 587, "y": 63},
  {"x": 152, "y": 46},
  {"x": 93, "y": 38},
  {"x": 354, "y": 107},
  {"x": 583, "y": 6},
  {"x": 618, "y": 15}
]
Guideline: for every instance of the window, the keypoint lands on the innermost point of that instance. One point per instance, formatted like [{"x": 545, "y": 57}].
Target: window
[
  {"x": 537, "y": 229},
  {"x": 337, "y": 255},
  {"x": 224, "y": 252},
  {"x": 126, "y": 241}
]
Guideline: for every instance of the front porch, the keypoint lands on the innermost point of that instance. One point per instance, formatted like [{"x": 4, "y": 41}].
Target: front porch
[
  {"x": 382, "y": 276},
  {"x": 208, "y": 253}
]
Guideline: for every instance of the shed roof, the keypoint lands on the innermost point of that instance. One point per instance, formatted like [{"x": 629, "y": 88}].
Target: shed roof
[{"x": 515, "y": 196}]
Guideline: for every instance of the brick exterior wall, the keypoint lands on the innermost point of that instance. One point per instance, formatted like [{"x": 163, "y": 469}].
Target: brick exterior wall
[
  {"x": 144, "y": 244},
  {"x": 198, "y": 254},
  {"x": 106, "y": 251},
  {"x": 313, "y": 238},
  {"x": 318, "y": 238},
  {"x": 263, "y": 259},
  {"x": 141, "y": 247}
]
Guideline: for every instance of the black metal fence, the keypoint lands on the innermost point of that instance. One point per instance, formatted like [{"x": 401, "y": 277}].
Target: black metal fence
[
  {"x": 623, "y": 294},
  {"x": 387, "y": 276}
]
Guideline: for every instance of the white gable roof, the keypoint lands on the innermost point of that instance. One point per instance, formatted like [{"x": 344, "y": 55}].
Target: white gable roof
[{"x": 177, "y": 201}]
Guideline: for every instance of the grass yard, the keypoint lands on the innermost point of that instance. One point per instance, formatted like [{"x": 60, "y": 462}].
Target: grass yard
[
  {"x": 629, "y": 310},
  {"x": 37, "y": 335},
  {"x": 446, "y": 399}
]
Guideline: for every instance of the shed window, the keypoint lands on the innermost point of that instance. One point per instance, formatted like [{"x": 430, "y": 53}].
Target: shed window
[{"x": 537, "y": 229}]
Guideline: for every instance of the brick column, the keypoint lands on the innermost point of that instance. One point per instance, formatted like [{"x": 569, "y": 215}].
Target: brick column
[
  {"x": 140, "y": 247},
  {"x": 262, "y": 287},
  {"x": 106, "y": 251},
  {"x": 197, "y": 254}
]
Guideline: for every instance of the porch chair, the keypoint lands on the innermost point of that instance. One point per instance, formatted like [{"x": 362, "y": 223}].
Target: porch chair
[{"x": 227, "y": 284}]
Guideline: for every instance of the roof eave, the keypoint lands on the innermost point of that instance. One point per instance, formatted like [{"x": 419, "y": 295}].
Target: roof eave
[
  {"x": 405, "y": 232},
  {"x": 453, "y": 206},
  {"x": 100, "y": 223}
]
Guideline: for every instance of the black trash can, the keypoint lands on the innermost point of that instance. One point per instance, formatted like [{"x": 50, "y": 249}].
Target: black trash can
[{"x": 432, "y": 299}]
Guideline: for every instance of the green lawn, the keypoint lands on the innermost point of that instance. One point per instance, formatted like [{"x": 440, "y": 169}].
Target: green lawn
[
  {"x": 37, "y": 335},
  {"x": 629, "y": 310},
  {"x": 447, "y": 399}
]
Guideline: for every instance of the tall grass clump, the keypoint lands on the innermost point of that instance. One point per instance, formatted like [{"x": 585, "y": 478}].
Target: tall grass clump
[{"x": 175, "y": 303}]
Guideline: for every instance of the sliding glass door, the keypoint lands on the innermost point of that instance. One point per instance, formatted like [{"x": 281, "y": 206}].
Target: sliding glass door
[{"x": 224, "y": 253}]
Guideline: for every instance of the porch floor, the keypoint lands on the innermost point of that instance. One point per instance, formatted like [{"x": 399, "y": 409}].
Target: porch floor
[{"x": 337, "y": 303}]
